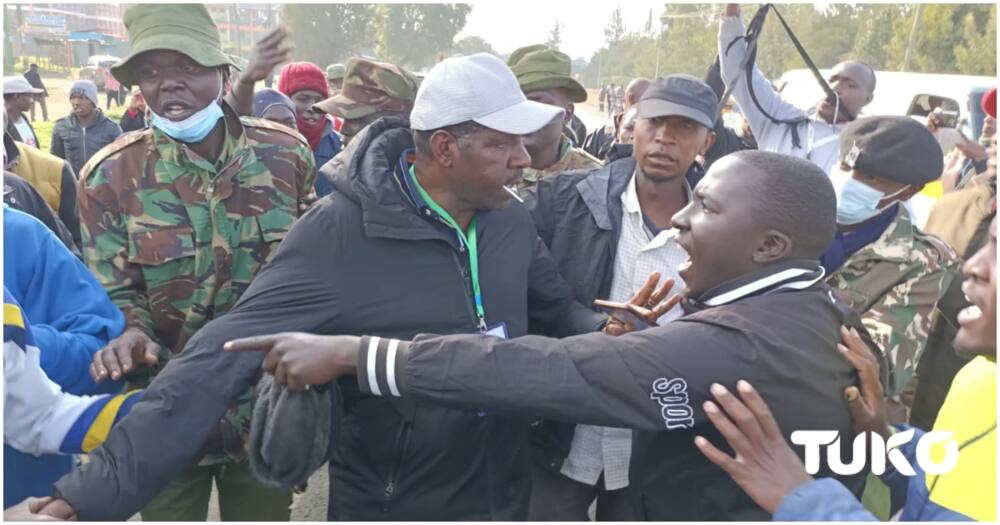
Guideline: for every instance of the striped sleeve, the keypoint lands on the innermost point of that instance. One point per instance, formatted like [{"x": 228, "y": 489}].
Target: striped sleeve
[
  {"x": 91, "y": 428},
  {"x": 381, "y": 363},
  {"x": 39, "y": 418}
]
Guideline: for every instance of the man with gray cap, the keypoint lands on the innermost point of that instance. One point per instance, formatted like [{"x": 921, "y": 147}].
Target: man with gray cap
[
  {"x": 420, "y": 235},
  {"x": 608, "y": 230},
  {"x": 335, "y": 74},
  {"x": 544, "y": 76},
  {"x": 880, "y": 263},
  {"x": 80, "y": 135},
  {"x": 177, "y": 219},
  {"x": 18, "y": 96}
]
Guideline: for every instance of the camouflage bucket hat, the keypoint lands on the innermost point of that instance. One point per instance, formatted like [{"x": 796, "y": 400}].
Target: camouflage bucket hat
[
  {"x": 185, "y": 28},
  {"x": 370, "y": 87},
  {"x": 538, "y": 67}
]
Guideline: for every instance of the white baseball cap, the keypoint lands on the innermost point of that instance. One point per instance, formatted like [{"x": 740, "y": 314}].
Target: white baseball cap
[
  {"x": 480, "y": 88},
  {"x": 16, "y": 85}
]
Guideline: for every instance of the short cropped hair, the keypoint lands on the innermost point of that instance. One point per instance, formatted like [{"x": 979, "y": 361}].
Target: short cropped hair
[
  {"x": 795, "y": 197},
  {"x": 422, "y": 139}
]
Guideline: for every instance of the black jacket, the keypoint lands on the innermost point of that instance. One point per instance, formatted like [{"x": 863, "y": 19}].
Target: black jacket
[
  {"x": 781, "y": 339},
  {"x": 364, "y": 260},
  {"x": 578, "y": 215},
  {"x": 77, "y": 143},
  {"x": 35, "y": 80}
]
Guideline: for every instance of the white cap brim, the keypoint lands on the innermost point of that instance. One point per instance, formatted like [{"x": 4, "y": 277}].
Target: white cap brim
[
  {"x": 28, "y": 91},
  {"x": 520, "y": 119}
]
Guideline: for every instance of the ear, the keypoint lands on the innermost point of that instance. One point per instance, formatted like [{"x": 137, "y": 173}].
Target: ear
[
  {"x": 444, "y": 148},
  {"x": 709, "y": 141},
  {"x": 568, "y": 111},
  {"x": 776, "y": 246}
]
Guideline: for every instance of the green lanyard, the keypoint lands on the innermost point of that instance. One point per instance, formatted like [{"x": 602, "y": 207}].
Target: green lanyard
[{"x": 468, "y": 239}]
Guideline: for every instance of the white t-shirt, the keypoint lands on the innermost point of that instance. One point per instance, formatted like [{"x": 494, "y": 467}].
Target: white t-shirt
[{"x": 24, "y": 130}]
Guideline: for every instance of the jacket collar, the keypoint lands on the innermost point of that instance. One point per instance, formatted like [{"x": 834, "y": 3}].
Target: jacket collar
[
  {"x": 177, "y": 155},
  {"x": 894, "y": 245},
  {"x": 795, "y": 274},
  {"x": 601, "y": 190},
  {"x": 369, "y": 172},
  {"x": 101, "y": 117},
  {"x": 604, "y": 187}
]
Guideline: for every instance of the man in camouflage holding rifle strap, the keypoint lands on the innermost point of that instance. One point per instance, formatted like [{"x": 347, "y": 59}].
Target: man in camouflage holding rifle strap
[{"x": 176, "y": 222}]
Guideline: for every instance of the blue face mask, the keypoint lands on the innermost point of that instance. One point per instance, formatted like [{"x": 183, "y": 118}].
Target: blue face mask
[
  {"x": 192, "y": 129},
  {"x": 857, "y": 202}
]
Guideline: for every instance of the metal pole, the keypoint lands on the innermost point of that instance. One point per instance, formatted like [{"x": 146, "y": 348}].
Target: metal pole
[
  {"x": 913, "y": 34},
  {"x": 659, "y": 43}
]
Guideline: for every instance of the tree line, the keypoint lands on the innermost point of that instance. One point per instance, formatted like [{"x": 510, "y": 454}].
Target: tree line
[
  {"x": 411, "y": 35},
  {"x": 928, "y": 38}
]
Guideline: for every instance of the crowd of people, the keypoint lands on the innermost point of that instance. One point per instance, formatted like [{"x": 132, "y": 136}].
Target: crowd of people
[{"x": 470, "y": 308}]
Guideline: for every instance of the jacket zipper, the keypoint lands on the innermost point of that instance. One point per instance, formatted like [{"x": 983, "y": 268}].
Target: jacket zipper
[
  {"x": 467, "y": 280},
  {"x": 401, "y": 442},
  {"x": 84, "y": 142}
]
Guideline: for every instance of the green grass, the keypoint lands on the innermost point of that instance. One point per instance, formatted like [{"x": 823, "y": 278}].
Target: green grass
[{"x": 43, "y": 130}]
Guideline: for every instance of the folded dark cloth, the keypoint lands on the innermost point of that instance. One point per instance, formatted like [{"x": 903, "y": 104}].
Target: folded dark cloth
[{"x": 290, "y": 432}]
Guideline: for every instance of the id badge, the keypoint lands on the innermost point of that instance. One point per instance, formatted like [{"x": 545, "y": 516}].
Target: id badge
[{"x": 497, "y": 330}]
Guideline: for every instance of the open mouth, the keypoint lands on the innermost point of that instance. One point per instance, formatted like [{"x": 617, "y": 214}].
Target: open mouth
[
  {"x": 972, "y": 313},
  {"x": 175, "y": 110},
  {"x": 684, "y": 268}
]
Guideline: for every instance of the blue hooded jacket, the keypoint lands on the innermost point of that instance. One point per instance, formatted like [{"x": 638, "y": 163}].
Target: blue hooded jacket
[{"x": 72, "y": 318}]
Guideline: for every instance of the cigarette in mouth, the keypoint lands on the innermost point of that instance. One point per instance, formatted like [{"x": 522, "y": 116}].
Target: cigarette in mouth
[{"x": 514, "y": 194}]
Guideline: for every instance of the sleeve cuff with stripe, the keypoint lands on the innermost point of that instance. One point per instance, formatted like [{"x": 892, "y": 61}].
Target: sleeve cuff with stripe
[{"x": 382, "y": 365}]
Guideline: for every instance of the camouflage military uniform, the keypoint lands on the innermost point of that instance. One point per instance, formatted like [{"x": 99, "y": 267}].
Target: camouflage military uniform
[
  {"x": 894, "y": 284},
  {"x": 539, "y": 68},
  {"x": 570, "y": 159},
  {"x": 175, "y": 239}
]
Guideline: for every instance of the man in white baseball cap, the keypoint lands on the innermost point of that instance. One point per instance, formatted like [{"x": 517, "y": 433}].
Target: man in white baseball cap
[
  {"x": 418, "y": 236},
  {"x": 18, "y": 97}
]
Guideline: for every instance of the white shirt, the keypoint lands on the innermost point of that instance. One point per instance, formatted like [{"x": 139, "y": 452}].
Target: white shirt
[
  {"x": 24, "y": 130},
  {"x": 639, "y": 253},
  {"x": 819, "y": 140}
]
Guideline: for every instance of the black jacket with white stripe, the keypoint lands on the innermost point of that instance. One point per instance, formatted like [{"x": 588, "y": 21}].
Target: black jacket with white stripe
[
  {"x": 777, "y": 329},
  {"x": 364, "y": 260}
]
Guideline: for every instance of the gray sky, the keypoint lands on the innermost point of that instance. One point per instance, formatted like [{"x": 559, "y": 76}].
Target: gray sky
[{"x": 510, "y": 25}]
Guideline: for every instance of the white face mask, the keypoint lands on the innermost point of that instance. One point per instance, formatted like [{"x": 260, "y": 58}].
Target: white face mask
[{"x": 857, "y": 202}]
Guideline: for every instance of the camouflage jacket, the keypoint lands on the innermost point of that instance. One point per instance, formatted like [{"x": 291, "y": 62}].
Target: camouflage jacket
[
  {"x": 894, "y": 284},
  {"x": 570, "y": 159},
  {"x": 175, "y": 239}
]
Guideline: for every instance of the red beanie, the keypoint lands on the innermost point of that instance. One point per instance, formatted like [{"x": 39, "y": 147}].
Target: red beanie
[
  {"x": 296, "y": 76},
  {"x": 990, "y": 102}
]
